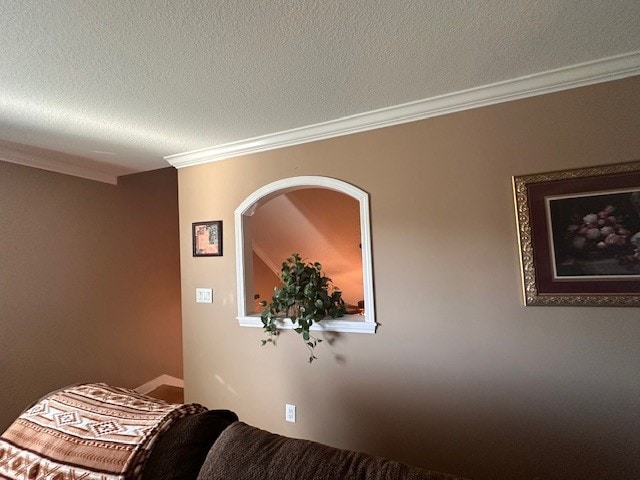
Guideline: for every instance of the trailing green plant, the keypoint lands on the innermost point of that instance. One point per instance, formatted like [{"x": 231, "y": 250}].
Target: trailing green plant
[{"x": 305, "y": 297}]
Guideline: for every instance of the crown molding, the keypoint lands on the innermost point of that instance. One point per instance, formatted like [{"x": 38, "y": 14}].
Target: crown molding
[
  {"x": 580, "y": 75},
  {"x": 52, "y": 161}
]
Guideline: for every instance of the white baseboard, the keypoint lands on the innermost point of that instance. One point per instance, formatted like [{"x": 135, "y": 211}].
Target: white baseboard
[{"x": 163, "y": 379}]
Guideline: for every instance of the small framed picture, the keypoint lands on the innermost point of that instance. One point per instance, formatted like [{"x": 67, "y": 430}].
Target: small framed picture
[
  {"x": 207, "y": 239},
  {"x": 579, "y": 234}
]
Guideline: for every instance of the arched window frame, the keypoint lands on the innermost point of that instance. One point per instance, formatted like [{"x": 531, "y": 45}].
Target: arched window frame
[{"x": 358, "y": 324}]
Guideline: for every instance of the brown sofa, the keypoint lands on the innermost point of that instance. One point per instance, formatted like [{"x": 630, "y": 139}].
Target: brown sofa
[
  {"x": 96, "y": 431},
  {"x": 243, "y": 452}
]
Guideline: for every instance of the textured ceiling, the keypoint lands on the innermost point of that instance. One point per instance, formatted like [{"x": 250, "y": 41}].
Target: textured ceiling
[{"x": 126, "y": 83}]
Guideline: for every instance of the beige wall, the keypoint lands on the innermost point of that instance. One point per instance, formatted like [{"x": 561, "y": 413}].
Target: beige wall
[
  {"x": 89, "y": 282},
  {"x": 460, "y": 376}
]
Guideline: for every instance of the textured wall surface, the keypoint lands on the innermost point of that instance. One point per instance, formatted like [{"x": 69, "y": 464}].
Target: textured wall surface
[
  {"x": 89, "y": 282},
  {"x": 460, "y": 377}
]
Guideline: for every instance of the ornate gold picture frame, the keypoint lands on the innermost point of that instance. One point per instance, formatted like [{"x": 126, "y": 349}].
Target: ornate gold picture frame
[{"x": 579, "y": 236}]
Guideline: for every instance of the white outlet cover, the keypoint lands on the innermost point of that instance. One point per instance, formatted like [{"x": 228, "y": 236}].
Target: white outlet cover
[{"x": 290, "y": 413}]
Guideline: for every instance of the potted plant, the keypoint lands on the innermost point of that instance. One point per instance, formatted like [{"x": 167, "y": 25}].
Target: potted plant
[{"x": 306, "y": 297}]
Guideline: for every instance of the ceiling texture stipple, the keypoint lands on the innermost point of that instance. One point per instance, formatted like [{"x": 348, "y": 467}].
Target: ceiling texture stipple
[{"x": 119, "y": 85}]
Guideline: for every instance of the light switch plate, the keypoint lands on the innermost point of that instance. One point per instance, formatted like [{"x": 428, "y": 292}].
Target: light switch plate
[{"x": 204, "y": 295}]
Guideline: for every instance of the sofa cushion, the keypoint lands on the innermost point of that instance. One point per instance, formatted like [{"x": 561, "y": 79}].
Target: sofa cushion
[
  {"x": 243, "y": 452},
  {"x": 181, "y": 450}
]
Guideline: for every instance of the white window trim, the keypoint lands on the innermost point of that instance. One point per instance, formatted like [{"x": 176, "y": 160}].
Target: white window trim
[{"x": 365, "y": 323}]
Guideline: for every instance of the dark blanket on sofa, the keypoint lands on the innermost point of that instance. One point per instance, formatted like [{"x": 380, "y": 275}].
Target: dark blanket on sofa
[
  {"x": 243, "y": 452},
  {"x": 181, "y": 450}
]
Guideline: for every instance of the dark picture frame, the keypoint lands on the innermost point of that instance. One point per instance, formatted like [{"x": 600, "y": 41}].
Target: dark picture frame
[
  {"x": 207, "y": 238},
  {"x": 579, "y": 235}
]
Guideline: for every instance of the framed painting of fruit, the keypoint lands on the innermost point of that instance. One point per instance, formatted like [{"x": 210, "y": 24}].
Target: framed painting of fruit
[{"x": 579, "y": 235}]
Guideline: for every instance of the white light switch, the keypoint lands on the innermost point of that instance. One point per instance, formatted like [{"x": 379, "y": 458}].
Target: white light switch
[{"x": 204, "y": 295}]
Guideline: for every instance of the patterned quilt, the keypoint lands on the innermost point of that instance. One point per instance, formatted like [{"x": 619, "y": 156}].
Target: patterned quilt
[{"x": 87, "y": 432}]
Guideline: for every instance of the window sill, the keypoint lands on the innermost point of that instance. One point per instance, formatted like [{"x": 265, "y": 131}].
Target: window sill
[{"x": 343, "y": 324}]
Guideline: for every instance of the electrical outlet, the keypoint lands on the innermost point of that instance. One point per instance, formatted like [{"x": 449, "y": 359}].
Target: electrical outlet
[{"x": 290, "y": 413}]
